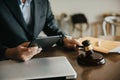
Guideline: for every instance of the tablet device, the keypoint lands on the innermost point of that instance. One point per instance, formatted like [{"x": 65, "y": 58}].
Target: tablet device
[{"x": 45, "y": 42}]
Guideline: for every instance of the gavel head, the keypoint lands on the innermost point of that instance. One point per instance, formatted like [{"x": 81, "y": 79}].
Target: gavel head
[
  {"x": 87, "y": 47},
  {"x": 90, "y": 58}
]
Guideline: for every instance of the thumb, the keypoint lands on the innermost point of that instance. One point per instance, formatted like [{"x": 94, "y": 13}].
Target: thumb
[{"x": 39, "y": 50}]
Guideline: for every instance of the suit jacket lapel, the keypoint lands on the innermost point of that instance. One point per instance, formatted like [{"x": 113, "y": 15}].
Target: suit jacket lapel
[
  {"x": 38, "y": 13},
  {"x": 15, "y": 9},
  {"x": 37, "y": 10}
]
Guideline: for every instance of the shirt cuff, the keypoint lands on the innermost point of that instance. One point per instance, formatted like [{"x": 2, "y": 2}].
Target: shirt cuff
[{"x": 61, "y": 42}]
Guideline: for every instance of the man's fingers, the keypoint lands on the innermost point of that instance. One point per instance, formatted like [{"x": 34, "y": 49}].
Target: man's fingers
[
  {"x": 75, "y": 42},
  {"x": 35, "y": 50},
  {"x": 25, "y": 44}
]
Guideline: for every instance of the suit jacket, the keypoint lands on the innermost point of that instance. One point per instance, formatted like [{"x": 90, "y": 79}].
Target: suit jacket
[{"x": 14, "y": 30}]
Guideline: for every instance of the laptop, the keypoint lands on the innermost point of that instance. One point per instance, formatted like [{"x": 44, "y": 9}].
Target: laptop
[{"x": 48, "y": 68}]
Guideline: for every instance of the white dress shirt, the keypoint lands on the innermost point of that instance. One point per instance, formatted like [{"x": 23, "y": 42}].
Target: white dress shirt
[{"x": 25, "y": 9}]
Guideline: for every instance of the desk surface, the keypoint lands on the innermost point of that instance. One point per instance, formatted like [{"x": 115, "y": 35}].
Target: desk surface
[{"x": 108, "y": 71}]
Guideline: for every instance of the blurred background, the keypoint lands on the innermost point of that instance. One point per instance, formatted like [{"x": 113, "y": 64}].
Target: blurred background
[{"x": 80, "y": 18}]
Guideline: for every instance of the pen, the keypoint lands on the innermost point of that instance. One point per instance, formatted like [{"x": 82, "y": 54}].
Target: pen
[{"x": 31, "y": 43}]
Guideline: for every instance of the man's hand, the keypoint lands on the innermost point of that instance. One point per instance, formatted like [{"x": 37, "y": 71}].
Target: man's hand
[
  {"x": 22, "y": 52},
  {"x": 69, "y": 42}
]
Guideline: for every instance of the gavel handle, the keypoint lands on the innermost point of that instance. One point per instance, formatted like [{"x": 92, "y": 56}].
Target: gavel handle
[{"x": 79, "y": 46}]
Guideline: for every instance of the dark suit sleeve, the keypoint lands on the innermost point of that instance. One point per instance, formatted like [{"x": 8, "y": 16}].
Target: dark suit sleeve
[
  {"x": 2, "y": 46},
  {"x": 2, "y": 51},
  {"x": 51, "y": 27}
]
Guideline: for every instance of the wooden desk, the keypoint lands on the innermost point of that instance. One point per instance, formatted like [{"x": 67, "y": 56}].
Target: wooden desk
[{"x": 108, "y": 71}]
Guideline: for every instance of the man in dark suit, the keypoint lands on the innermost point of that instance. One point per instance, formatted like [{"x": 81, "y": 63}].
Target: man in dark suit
[{"x": 20, "y": 22}]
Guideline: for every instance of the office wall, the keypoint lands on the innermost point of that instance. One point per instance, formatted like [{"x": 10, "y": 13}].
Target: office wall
[{"x": 92, "y": 8}]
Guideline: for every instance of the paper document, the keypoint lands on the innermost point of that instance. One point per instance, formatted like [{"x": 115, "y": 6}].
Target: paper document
[{"x": 115, "y": 50}]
